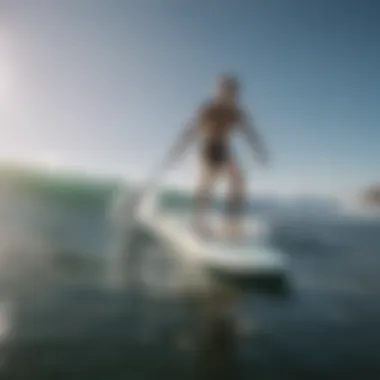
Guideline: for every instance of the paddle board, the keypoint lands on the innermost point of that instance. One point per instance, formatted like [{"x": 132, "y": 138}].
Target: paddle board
[{"x": 250, "y": 256}]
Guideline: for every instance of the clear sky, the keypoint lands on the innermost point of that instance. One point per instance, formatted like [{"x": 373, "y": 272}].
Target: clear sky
[{"x": 105, "y": 85}]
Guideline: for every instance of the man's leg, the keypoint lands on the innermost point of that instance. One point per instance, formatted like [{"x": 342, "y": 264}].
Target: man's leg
[
  {"x": 207, "y": 177},
  {"x": 235, "y": 199}
]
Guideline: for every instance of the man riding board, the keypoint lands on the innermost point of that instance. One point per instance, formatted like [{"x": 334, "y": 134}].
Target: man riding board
[{"x": 213, "y": 125}]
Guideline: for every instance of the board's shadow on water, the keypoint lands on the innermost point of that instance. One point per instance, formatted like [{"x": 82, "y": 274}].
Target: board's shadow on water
[{"x": 271, "y": 285}]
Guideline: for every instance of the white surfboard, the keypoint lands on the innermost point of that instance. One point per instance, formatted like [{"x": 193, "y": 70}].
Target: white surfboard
[{"x": 251, "y": 255}]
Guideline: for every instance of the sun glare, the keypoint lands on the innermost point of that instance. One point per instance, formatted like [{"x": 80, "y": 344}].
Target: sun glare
[{"x": 5, "y": 66}]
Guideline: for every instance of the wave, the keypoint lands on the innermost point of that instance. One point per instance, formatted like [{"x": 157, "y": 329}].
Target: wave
[{"x": 63, "y": 221}]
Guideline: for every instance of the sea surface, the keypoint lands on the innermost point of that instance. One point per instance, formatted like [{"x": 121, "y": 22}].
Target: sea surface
[{"x": 71, "y": 308}]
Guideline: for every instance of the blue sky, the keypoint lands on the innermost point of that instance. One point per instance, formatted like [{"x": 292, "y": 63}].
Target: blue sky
[{"x": 105, "y": 85}]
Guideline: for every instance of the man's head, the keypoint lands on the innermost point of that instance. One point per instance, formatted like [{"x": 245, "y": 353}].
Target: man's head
[{"x": 227, "y": 88}]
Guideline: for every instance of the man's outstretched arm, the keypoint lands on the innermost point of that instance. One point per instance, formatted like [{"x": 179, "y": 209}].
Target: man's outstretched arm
[
  {"x": 254, "y": 139},
  {"x": 181, "y": 144}
]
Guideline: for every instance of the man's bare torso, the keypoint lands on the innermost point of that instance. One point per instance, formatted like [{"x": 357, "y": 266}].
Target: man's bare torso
[{"x": 217, "y": 120}]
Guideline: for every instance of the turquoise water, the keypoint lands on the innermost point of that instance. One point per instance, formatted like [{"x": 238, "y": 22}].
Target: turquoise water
[{"x": 61, "y": 317}]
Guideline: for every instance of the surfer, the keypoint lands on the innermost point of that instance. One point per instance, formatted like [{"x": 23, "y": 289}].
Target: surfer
[{"x": 213, "y": 124}]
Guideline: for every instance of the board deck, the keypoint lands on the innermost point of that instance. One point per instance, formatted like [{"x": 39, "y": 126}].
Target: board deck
[{"x": 252, "y": 254}]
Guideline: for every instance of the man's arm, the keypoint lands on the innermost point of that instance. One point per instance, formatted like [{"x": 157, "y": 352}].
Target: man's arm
[
  {"x": 249, "y": 129},
  {"x": 188, "y": 135},
  {"x": 185, "y": 138}
]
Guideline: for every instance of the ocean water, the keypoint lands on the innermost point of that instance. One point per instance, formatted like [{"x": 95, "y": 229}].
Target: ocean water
[{"x": 72, "y": 309}]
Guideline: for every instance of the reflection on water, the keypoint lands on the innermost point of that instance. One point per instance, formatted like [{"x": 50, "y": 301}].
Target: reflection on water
[{"x": 59, "y": 318}]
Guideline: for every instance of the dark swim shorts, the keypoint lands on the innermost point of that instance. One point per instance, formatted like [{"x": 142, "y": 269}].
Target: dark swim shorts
[{"x": 215, "y": 153}]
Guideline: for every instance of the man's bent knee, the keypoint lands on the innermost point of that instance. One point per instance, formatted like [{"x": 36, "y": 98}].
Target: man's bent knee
[{"x": 235, "y": 205}]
